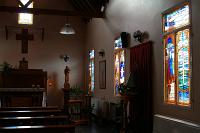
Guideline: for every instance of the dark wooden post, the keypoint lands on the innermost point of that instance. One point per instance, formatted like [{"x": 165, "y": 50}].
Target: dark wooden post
[
  {"x": 66, "y": 90},
  {"x": 88, "y": 106}
]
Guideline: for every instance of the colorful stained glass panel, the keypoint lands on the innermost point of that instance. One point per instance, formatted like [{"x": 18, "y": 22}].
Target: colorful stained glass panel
[
  {"x": 116, "y": 73},
  {"x": 122, "y": 67},
  {"x": 91, "y": 54},
  {"x": 170, "y": 67},
  {"x": 91, "y": 72},
  {"x": 118, "y": 43},
  {"x": 176, "y": 19},
  {"x": 119, "y": 70},
  {"x": 183, "y": 58}
]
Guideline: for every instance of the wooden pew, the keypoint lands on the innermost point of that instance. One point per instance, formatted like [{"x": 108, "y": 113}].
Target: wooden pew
[
  {"x": 31, "y": 113},
  {"x": 28, "y": 108},
  {"x": 34, "y": 120},
  {"x": 39, "y": 129},
  {"x": 37, "y": 120}
]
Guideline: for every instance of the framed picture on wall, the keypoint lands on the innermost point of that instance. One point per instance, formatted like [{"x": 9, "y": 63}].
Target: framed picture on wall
[{"x": 102, "y": 74}]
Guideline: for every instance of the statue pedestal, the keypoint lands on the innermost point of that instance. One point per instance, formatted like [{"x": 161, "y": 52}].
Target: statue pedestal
[
  {"x": 66, "y": 99},
  {"x": 66, "y": 89}
]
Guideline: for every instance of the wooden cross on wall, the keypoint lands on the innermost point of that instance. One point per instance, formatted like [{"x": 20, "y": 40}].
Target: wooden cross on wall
[{"x": 24, "y": 37}]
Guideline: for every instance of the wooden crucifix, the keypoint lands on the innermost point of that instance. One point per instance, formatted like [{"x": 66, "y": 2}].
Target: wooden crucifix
[{"x": 24, "y": 37}]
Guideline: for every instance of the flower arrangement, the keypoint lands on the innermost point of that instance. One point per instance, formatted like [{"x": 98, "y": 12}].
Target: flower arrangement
[
  {"x": 5, "y": 67},
  {"x": 76, "y": 91}
]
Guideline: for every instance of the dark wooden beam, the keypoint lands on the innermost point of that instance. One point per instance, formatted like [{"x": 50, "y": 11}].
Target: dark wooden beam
[
  {"x": 83, "y": 5},
  {"x": 90, "y": 5},
  {"x": 28, "y": 3},
  {"x": 77, "y": 6},
  {"x": 20, "y": 3},
  {"x": 39, "y": 11},
  {"x": 6, "y": 29},
  {"x": 42, "y": 34},
  {"x": 96, "y": 3}
]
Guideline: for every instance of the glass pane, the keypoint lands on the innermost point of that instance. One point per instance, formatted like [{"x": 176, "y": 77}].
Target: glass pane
[
  {"x": 91, "y": 54},
  {"x": 183, "y": 55},
  {"x": 91, "y": 72},
  {"x": 25, "y": 18},
  {"x": 169, "y": 43},
  {"x": 116, "y": 73},
  {"x": 122, "y": 67},
  {"x": 118, "y": 43},
  {"x": 92, "y": 76},
  {"x": 176, "y": 19},
  {"x": 119, "y": 70}
]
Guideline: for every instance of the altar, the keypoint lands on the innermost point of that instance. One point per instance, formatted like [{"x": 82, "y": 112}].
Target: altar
[{"x": 20, "y": 88}]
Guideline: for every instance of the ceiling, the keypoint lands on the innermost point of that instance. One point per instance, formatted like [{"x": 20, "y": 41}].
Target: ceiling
[
  {"x": 82, "y": 8},
  {"x": 97, "y": 7}
]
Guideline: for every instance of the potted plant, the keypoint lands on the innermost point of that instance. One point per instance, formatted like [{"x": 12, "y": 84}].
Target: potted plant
[
  {"x": 5, "y": 68},
  {"x": 75, "y": 92}
]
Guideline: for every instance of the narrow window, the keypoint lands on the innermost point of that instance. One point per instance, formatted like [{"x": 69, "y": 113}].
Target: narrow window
[
  {"x": 91, "y": 72},
  {"x": 119, "y": 65}
]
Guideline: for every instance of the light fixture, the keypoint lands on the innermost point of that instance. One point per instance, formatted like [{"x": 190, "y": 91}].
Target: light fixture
[
  {"x": 67, "y": 29},
  {"x": 101, "y": 52},
  {"x": 138, "y": 35}
]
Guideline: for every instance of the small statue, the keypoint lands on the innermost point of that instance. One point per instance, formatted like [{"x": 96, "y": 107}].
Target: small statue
[
  {"x": 66, "y": 72},
  {"x": 66, "y": 84},
  {"x": 23, "y": 64}
]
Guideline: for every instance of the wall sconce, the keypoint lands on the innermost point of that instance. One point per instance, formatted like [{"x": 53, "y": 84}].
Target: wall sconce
[
  {"x": 101, "y": 52},
  {"x": 65, "y": 57},
  {"x": 138, "y": 36}
]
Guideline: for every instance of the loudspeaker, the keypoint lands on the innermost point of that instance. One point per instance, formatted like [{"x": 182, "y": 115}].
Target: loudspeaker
[{"x": 125, "y": 39}]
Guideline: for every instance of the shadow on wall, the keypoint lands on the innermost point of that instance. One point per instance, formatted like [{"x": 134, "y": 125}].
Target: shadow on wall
[{"x": 54, "y": 94}]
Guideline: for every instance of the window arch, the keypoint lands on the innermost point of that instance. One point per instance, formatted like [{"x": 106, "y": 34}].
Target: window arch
[{"x": 177, "y": 55}]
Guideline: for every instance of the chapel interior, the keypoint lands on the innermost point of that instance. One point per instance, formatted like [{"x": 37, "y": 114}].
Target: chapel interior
[{"x": 99, "y": 66}]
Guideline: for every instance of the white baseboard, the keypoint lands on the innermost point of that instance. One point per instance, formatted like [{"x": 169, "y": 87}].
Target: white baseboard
[{"x": 165, "y": 124}]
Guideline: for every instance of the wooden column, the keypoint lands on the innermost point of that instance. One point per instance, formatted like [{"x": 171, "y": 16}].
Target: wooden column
[{"x": 66, "y": 90}]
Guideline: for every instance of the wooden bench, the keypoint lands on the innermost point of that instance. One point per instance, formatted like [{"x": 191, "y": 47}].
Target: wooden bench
[
  {"x": 37, "y": 120},
  {"x": 31, "y": 113},
  {"x": 28, "y": 108},
  {"x": 34, "y": 120},
  {"x": 39, "y": 129}
]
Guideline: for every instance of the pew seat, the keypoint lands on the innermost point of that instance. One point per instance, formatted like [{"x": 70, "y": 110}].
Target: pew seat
[
  {"x": 37, "y": 120},
  {"x": 28, "y": 108},
  {"x": 31, "y": 113},
  {"x": 39, "y": 129}
]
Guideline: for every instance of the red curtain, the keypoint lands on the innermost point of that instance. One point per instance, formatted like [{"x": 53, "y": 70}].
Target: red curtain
[{"x": 140, "y": 63}]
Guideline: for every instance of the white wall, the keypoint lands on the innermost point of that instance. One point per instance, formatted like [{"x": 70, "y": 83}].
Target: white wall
[{"x": 144, "y": 15}]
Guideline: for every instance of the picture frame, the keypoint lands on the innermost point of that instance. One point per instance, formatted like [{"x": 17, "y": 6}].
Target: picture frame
[{"x": 102, "y": 74}]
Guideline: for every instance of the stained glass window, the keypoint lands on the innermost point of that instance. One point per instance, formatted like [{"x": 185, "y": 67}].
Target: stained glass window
[
  {"x": 176, "y": 19},
  {"x": 170, "y": 66},
  {"x": 183, "y": 64},
  {"x": 118, "y": 43},
  {"x": 119, "y": 65},
  {"x": 25, "y": 18},
  {"x": 177, "y": 56},
  {"x": 91, "y": 72}
]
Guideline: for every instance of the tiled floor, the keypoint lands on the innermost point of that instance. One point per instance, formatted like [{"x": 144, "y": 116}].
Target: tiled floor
[{"x": 97, "y": 128}]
